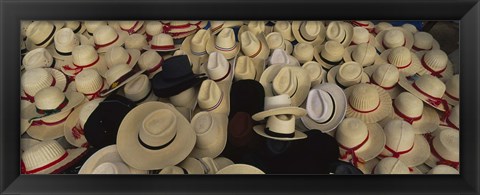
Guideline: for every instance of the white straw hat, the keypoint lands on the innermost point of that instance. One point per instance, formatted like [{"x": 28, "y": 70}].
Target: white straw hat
[
  {"x": 212, "y": 99},
  {"x": 85, "y": 57},
  {"x": 76, "y": 26},
  {"x": 362, "y": 35},
  {"x": 73, "y": 130},
  {"x": 217, "y": 26},
  {"x": 410, "y": 27},
  {"x": 312, "y": 32},
  {"x": 107, "y": 161},
  {"x": 329, "y": 54},
  {"x": 211, "y": 131},
  {"x": 119, "y": 55},
  {"x": 443, "y": 169},
  {"x": 381, "y": 26},
  {"x": 90, "y": 83},
  {"x": 281, "y": 57},
  {"x": 50, "y": 127},
  {"x": 224, "y": 43},
  {"x": 139, "y": 90},
  {"x": 368, "y": 102},
  {"x": 386, "y": 76},
  {"x": 38, "y": 58},
  {"x": 278, "y": 105},
  {"x": 132, "y": 27},
  {"x": 391, "y": 166},
  {"x": 135, "y": 41},
  {"x": 340, "y": 31},
  {"x": 245, "y": 68},
  {"x": 120, "y": 75},
  {"x": 151, "y": 62},
  {"x": 393, "y": 37},
  {"x": 106, "y": 37},
  {"x": 424, "y": 41},
  {"x": 405, "y": 60},
  {"x": 240, "y": 169},
  {"x": 23, "y": 28},
  {"x": 64, "y": 42},
  {"x": 429, "y": 89},
  {"x": 253, "y": 45},
  {"x": 186, "y": 99},
  {"x": 452, "y": 91},
  {"x": 280, "y": 127},
  {"x": 363, "y": 53},
  {"x": 195, "y": 47},
  {"x": 453, "y": 118},
  {"x": 276, "y": 41},
  {"x": 40, "y": 34},
  {"x": 33, "y": 80},
  {"x": 51, "y": 101},
  {"x": 162, "y": 43},
  {"x": 91, "y": 26},
  {"x": 153, "y": 28},
  {"x": 436, "y": 63},
  {"x": 219, "y": 69},
  {"x": 147, "y": 143},
  {"x": 445, "y": 148},
  {"x": 315, "y": 71},
  {"x": 256, "y": 27},
  {"x": 303, "y": 52},
  {"x": 285, "y": 29},
  {"x": 347, "y": 74},
  {"x": 26, "y": 143},
  {"x": 367, "y": 25},
  {"x": 187, "y": 166}
]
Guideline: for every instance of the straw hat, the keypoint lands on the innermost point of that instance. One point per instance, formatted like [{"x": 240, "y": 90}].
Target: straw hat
[
  {"x": 424, "y": 41},
  {"x": 106, "y": 37},
  {"x": 136, "y": 41},
  {"x": 443, "y": 169},
  {"x": 359, "y": 142},
  {"x": 50, "y": 127},
  {"x": 132, "y": 27},
  {"x": 410, "y": 27},
  {"x": 211, "y": 131},
  {"x": 186, "y": 99},
  {"x": 280, "y": 127},
  {"x": 363, "y": 53},
  {"x": 279, "y": 105},
  {"x": 224, "y": 43},
  {"x": 49, "y": 157},
  {"x": 276, "y": 41},
  {"x": 219, "y": 69},
  {"x": 40, "y": 34},
  {"x": 340, "y": 31},
  {"x": 303, "y": 52},
  {"x": 246, "y": 68},
  {"x": 367, "y": 25},
  {"x": 120, "y": 75},
  {"x": 391, "y": 166},
  {"x": 402, "y": 143},
  {"x": 119, "y": 55},
  {"x": 50, "y": 101},
  {"x": 445, "y": 149},
  {"x": 285, "y": 29},
  {"x": 386, "y": 76},
  {"x": 326, "y": 106},
  {"x": 162, "y": 43},
  {"x": 178, "y": 27},
  {"x": 195, "y": 47},
  {"x": 436, "y": 63},
  {"x": 253, "y": 45},
  {"x": 217, "y": 26},
  {"x": 212, "y": 165},
  {"x": 91, "y": 26},
  {"x": 393, "y": 37},
  {"x": 153, "y": 28},
  {"x": 406, "y": 61},
  {"x": 428, "y": 88},
  {"x": 23, "y": 28},
  {"x": 76, "y": 26},
  {"x": 381, "y": 26},
  {"x": 368, "y": 102},
  {"x": 240, "y": 169},
  {"x": 151, "y": 62},
  {"x": 312, "y": 32},
  {"x": 90, "y": 83},
  {"x": 146, "y": 143},
  {"x": 452, "y": 91},
  {"x": 315, "y": 71},
  {"x": 33, "y": 80},
  {"x": 212, "y": 99},
  {"x": 453, "y": 118},
  {"x": 139, "y": 90},
  {"x": 367, "y": 167},
  {"x": 38, "y": 58},
  {"x": 362, "y": 35},
  {"x": 256, "y": 27},
  {"x": 107, "y": 161},
  {"x": 329, "y": 54},
  {"x": 85, "y": 57},
  {"x": 26, "y": 143},
  {"x": 281, "y": 57},
  {"x": 64, "y": 42},
  {"x": 188, "y": 166},
  {"x": 73, "y": 130},
  {"x": 347, "y": 74}
]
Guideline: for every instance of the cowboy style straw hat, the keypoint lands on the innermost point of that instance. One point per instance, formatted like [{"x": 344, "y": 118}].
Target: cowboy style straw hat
[
  {"x": 85, "y": 57},
  {"x": 363, "y": 53},
  {"x": 326, "y": 106},
  {"x": 107, "y": 161},
  {"x": 106, "y": 37},
  {"x": 152, "y": 62},
  {"x": 132, "y": 27},
  {"x": 312, "y": 32},
  {"x": 436, "y": 63},
  {"x": 391, "y": 166},
  {"x": 285, "y": 29},
  {"x": 428, "y": 88},
  {"x": 340, "y": 31},
  {"x": 291, "y": 80},
  {"x": 406, "y": 61},
  {"x": 50, "y": 157},
  {"x": 135, "y": 41},
  {"x": 315, "y": 71},
  {"x": 119, "y": 55},
  {"x": 443, "y": 169},
  {"x": 445, "y": 148},
  {"x": 220, "y": 70},
  {"x": 211, "y": 132},
  {"x": 240, "y": 169},
  {"x": 162, "y": 43},
  {"x": 281, "y": 57},
  {"x": 276, "y": 41},
  {"x": 386, "y": 76},
  {"x": 368, "y": 102},
  {"x": 120, "y": 75},
  {"x": 50, "y": 101},
  {"x": 139, "y": 90},
  {"x": 329, "y": 54},
  {"x": 347, "y": 75},
  {"x": 38, "y": 58},
  {"x": 358, "y": 141},
  {"x": 303, "y": 52},
  {"x": 40, "y": 34},
  {"x": 146, "y": 143},
  {"x": 393, "y": 37},
  {"x": 424, "y": 41},
  {"x": 402, "y": 143},
  {"x": 217, "y": 26},
  {"x": 34, "y": 80},
  {"x": 212, "y": 99},
  {"x": 254, "y": 45},
  {"x": 278, "y": 105},
  {"x": 224, "y": 43},
  {"x": 452, "y": 91},
  {"x": 90, "y": 83},
  {"x": 362, "y": 35}
]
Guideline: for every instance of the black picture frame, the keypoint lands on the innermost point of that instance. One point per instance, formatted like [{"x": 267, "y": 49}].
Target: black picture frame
[{"x": 466, "y": 11}]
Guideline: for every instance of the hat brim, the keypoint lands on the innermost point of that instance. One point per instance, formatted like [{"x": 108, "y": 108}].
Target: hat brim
[
  {"x": 135, "y": 54},
  {"x": 419, "y": 153},
  {"x": 135, "y": 155},
  {"x": 367, "y": 167},
  {"x": 192, "y": 165},
  {"x": 316, "y": 56},
  {"x": 149, "y": 47},
  {"x": 407, "y": 85},
  {"x": 332, "y": 73},
  {"x": 379, "y": 38},
  {"x": 74, "y": 155},
  {"x": 445, "y": 75},
  {"x": 100, "y": 66},
  {"x": 384, "y": 109},
  {"x": 260, "y": 130},
  {"x": 427, "y": 124},
  {"x": 74, "y": 99},
  {"x": 60, "y": 78},
  {"x": 69, "y": 124},
  {"x": 240, "y": 169},
  {"x": 215, "y": 148},
  {"x": 122, "y": 35},
  {"x": 295, "y": 111},
  {"x": 414, "y": 68},
  {"x": 106, "y": 154},
  {"x": 296, "y": 33},
  {"x": 347, "y": 57},
  {"x": 110, "y": 90},
  {"x": 46, "y": 132},
  {"x": 227, "y": 54},
  {"x": 375, "y": 144}
]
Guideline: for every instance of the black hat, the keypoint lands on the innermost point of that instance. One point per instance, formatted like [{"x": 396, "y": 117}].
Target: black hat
[
  {"x": 102, "y": 125},
  {"x": 246, "y": 96},
  {"x": 176, "y": 76},
  {"x": 344, "y": 168}
]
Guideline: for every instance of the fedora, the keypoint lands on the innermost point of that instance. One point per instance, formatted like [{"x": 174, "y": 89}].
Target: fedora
[
  {"x": 119, "y": 55},
  {"x": 136, "y": 41},
  {"x": 75, "y": 123},
  {"x": 76, "y": 26},
  {"x": 391, "y": 166},
  {"x": 326, "y": 106},
  {"x": 256, "y": 27},
  {"x": 410, "y": 27},
  {"x": 162, "y": 43},
  {"x": 443, "y": 169},
  {"x": 405, "y": 60},
  {"x": 285, "y": 29},
  {"x": 187, "y": 166},
  {"x": 106, "y": 37},
  {"x": 176, "y": 76},
  {"x": 315, "y": 71},
  {"x": 402, "y": 143},
  {"x": 139, "y": 90},
  {"x": 358, "y": 141},
  {"x": 23, "y": 28},
  {"x": 341, "y": 32},
  {"x": 49, "y": 157},
  {"x": 91, "y": 26},
  {"x": 132, "y": 27},
  {"x": 151, "y": 62},
  {"x": 64, "y": 42},
  {"x": 212, "y": 99},
  {"x": 452, "y": 120},
  {"x": 363, "y": 53},
  {"x": 50, "y": 127},
  {"x": 367, "y": 25},
  {"x": 85, "y": 57},
  {"x": 217, "y": 26},
  {"x": 445, "y": 149},
  {"x": 90, "y": 83},
  {"x": 38, "y": 58},
  {"x": 393, "y": 37},
  {"x": 253, "y": 45},
  {"x": 40, "y": 34},
  {"x": 312, "y": 32},
  {"x": 368, "y": 102},
  {"x": 211, "y": 132},
  {"x": 224, "y": 43},
  {"x": 36, "y": 79},
  {"x": 119, "y": 75},
  {"x": 303, "y": 52},
  {"x": 50, "y": 101},
  {"x": 276, "y": 41},
  {"x": 279, "y": 105},
  {"x": 424, "y": 41},
  {"x": 153, "y": 28},
  {"x": 107, "y": 161},
  {"x": 291, "y": 80},
  {"x": 347, "y": 75},
  {"x": 280, "y": 127},
  {"x": 386, "y": 76},
  {"x": 245, "y": 68},
  {"x": 146, "y": 143},
  {"x": 436, "y": 63},
  {"x": 452, "y": 91},
  {"x": 329, "y": 54},
  {"x": 240, "y": 169},
  {"x": 246, "y": 96},
  {"x": 429, "y": 89},
  {"x": 362, "y": 35},
  {"x": 281, "y": 57},
  {"x": 195, "y": 47},
  {"x": 381, "y": 26},
  {"x": 409, "y": 108},
  {"x": 220, "y": 70}
]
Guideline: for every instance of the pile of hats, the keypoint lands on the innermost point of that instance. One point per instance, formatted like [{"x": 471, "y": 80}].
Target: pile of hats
[{"x": 235, "y": 97}]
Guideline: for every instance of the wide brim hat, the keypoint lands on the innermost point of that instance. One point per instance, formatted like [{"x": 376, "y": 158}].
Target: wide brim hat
[
  {"x": 74, "y": 99},
  {"x": 135, "y": 55},
  {"x": 264, "y": 51},
  {"x": 317, "y": 57},
  {"x": 419, "y": 153},
  {"x": 347, "y": 56},
  {"x": 428, "y": 123},
  {"x": 394, "y": 91},
  {"x": 380, "y": 36},
  {"x": 332, "y": 74},
  {"x": 296, "y": 33},
  {"x": 31, "y": 46},
  {"x": 216, "y": 147},
  {"x": 260, "y": 129},
  {"x": 47, "y": 132},
  {"x": 407, "y": 85},
  {"x": 228, "y": 54},
  {"x": 367, "y": 167},
  {"x": 445, "y": 75},
  {"x": 149, "y": 47},
  {"x": 293, "y": 110},
  {"x": 375, "y": 143},
  {"x": 240, "y": 169},
  {"x": 106, "y": 154},
  {"x": 415, "y": 67},
  {"x": 339, "y": 101},
  {"x": 74, "y": 156},
  {"x": 68, "y": 129},
  {"x": 122, "y": 35},
  {"x": 100, "y": 66},
  {"x": 82, "y": 41},
  {"x": 134, "y": 76},
  {"x": 137, "y": 156},
  {"x": 384, "y": 108}
]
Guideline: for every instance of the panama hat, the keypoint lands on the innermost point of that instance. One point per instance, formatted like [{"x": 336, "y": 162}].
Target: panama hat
[
  {"x": 363, "y": 53},
  {"x": 211, "y": 131},
  {"x": 281, "y": 57},
  {"x": 64, "y": 42},
  {"x": 245, "y": 68},
  {"x": 381, "y": 26},
  {"x": 38, "y": 58},
  {"x": 187, "y": 166},
  {"x": 119, "y": 55},
  {"x": 303, "y": 52},
  {"x": 279, "y": 105},
  {"x": 132, "y": 27},
  {"x": 424, "y": 41},
  {"x": 106, "y": 37},
  {"x": 359, "y": 142},
  {"x": 285, "y": 29},
  {"x": 453, "y": 118},
  {"x": 402, "y": 143},
  {"x": 90, "y": 83},
  {"x": 73, "y": 130},
  {"x": 23, "y": 28},
  {"x": 217, "y": 26},
  {"x": 36, "y": 79},
  {"x": 329, "y": 54},
  {"x": 391, "y": 166},
  {"x": 436, "y": 63},
  {"x": 195, "y": 47},
  {"x": 368, "y": 102},
  {"x": 85, "y": 57},
  {"x": 178, "y": 27},
  {"x": 452, "y": 91},
  {"x": 152, "y": 62},
  {"x": 139, "y": 90},
  {"x": 445, "y": 149},
  {"x": 49, "y": 157},
  {"x": 393, "y": 37},
  {"x": 315, "y": 71},
  {"x": 429, "y": 89},
  {"x": 253, "y": 45},
  {"x": 76, "y": 26},
  {"x": 386, "y": 76},
  {"x": 280, "y": 127},
  {"x": 276, "y": 41},
  {"x": 120, "y": 75},
  {"x": 367, "y": 25},
  {"x": 212, "y": 99},
  {"x": 312, "y": 32},
  {"x": 406, "y": 61},
  {"x": 153, "y": 28},
  {"x": 186, "y": 99},
  {"x": 362, "y": 35},
  {"x": 291, "y": 80},
  {"x": 326, "y": 106},
  {"x": 240, "y": 169},
  {"x": 40, "y": 34},
  {"x": 443, "y": 169},
  {"x": 340, "y": 31},
  {"x": 142, "y": 139},
  {"x": 91, "y": 26},
  {"x": 162, "y": 43},
  {"x": 223, "y": 43},
  {"x": 47, "y": 128},
  {"x": 107, "y": 161},
  {"x": 256, "y": 27},
  {"x": 220, "y": 70},
  {"x": 136, "y": 41},
  {"x": 347, "y": 74},
  {"x": 410, "y": 27}
]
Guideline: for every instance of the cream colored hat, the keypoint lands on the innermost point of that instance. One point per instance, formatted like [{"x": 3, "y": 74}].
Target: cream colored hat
[
  {"x": 23, "y": 28},
  {"x": 315, "y": 71},
  {"x": 40, "y": 34},
  {"x": 281, "y": 57},
  {"x": 340, "y": 31},
  {"x": 279, "y": 105},
  {"x": 195, "y": 47},
  {"x": 106, "y": 37},
  {"x": 410, "y": 27},
  {"x": 312, "y": 32},
  {"x": 146, "y": 143},
  {"x": 136, "y": 41},
  {"x": 120, "y": 75},
  {"x": 363, "y": 53},
  {"x": 391, "y": 166},
  {"x": 38, "y": 58},
  {"x": 381, "y": 26},
  {"x": 76, "y": 26},
  {"x": 256, "y": 27},
  {"x": 91, "y": 26},
  {"x": 428, "y": 88},
  {"x": 188, "y": 166},
  {"x": 393, "y": 37},
  {"x": 90, "y": 83},
  {"x": 186, "y": 99},
  {"x": 139, "y": 90},
  {"x": 247, "y": 69},
  {"x": 406, "y": 61},
  {"x": 217, "y": 26},
  {"x": 218, "y": 68},
  {"x": 358, "y": 141},
  {"x": 445, "y": 149},
  {"x": 73, "y": 130},
  {"x": 443, "y": 169},
  {"x": 367, "y": 25},
  {"x": 162, "y": 43},
  {"x": 50, "y": 127},
  {"x": 26, "y": 143},
  {"x": 153, "y": 28},
  {"x": 285, "y": 29},
  {"x": 36, "y": 79},
  {"x": 276, "y": 41},
  {"x": 64, "y": 42},
  {"x": 280, "y": 127},
  {"x": 85, "y": 57},
  {"x": 107, "y": 161},
  {"x": 386, "y": 76},
  {"x": 119, "y": 55},
  {"x": 436, "y": 63},
  {"x": 240, "y": 169},
  {"x": 213, "y": 165},
  {"x": 424, "y": 41},
  {"x": 132, "y": 27},
  {"x": 224, "y": 43},
  {"x": 212, "y": 99},
  {"x": 49, "y": 157},
  {"x": 211, "y": 131},
  {"x": 303, "y": 52},
  {"x": 253, "y": 45},
  {"x": 347, "y": 74},
  {"x": 452, "y": 91},
  {"x": 329, "y": 54},
  {"x": 453, "y": 118},
  {"x": 362, "y": 35},
  {"x": 151, "y": 62},
  {"x": 368, "y": 102}
]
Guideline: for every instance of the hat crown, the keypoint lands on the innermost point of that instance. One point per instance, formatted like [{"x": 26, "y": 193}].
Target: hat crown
[
  {"x": 333, "y": 51},
  {"x": 453, "y": 86},
  {"x": 386, "y": 75},
  {"x": 319, "y": 105},
  {"x": 88, "y": 81},
  {"x": 399, "y": 135},
  {"x": 217, "y": 66},
  {"x": 364, "y": 97},
  {"x": 360, "y": 35},
  {"x": 275, "y": 40},
  {"x": 364, "y": 54},
  {"x": 42, "y": 154},
  {"x": 104, "y": 34},
  {"x": 116, "y": 55},
  {"x": 172, "y": 170},
  {"x": 311, "y": 29},
  {"x": 244, "y": 68},
  {"x": 314, "y": 70},
  {"x": 454, "y": 116},
  {"x": 409, "y": 105},
  {"x": 225, "y": 39},
  {"x": 349, "y": 73},
  {"x": 393, "y": 38},
  {"x": 207, "y": 126},
  {"x": 199, "y": 41},
  {"x": 423, "y": 40},
  {"x": 65, "y": 40},
  {"x": 115, "y": 72},
  {"x": 250, "y": 43},
  {"x": 49, "y": 98},
  {"x": 34, "y": 80},
  {"x": 279, "y": 56},
  {"x": 381, "y": 26},
  {"x": 137, "y": 88},
  {"x": 283, "y": 124},
  {"x": 162, "y": 39},
  {"x": 24, "y": 26},
  {"x": 303, "y": 52},
  {"x": 400, "y": 56},
  {"x": 84, "y": 54},
  {"x": 93, "y": 25},
  {"x": 149, "y": 59},
  {"x": 256, "y": 26},
  {"x": 158, "y": 127},
  {"x": 335, "y": 31},
  {"x": 351, "y": 132},
  {"x": 391, "y": 165},
  {"x": 111, "y": 168},
  {"x": 209, "y": 94},
  {"x": 37, "y": 58},
  {"x": 39, "y": 31},
  {"x": 443, "y": 169},
  {"x": 285, "y": 82},
  {"x": 431, "y": 85},
  {"x": 176, "y": 67},
  {"x": 135, "y": 41},
  {"x": 278, "y": 101},
  {"x": 282, "y": 26},
  {"x": 410, "y": 27},
  {"x": 436, "y": 59},
  {"x": 87, "y": 110},
  {"x": 446, "y": 143}
]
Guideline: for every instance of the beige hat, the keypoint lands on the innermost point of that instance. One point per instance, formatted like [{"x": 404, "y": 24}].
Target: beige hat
[
  {"x": 368, "y": 102},
  {"x": 303, "y": 52},
  {"x": 151, "y": 62},
  {"x": 36, "y": 79},
  {"x": 120, "y": 75},
  {"x": 90, "y": 83},
  {"x": 119, "y": 55},
  {"x": 452, "y": 120},
  {"x": 73, "y": 130},
  {"x": 367, "y": 25},
  {"x": 406, "y": 61},
  {"x": 248, "y": 68},
  {"x": 107, "y": 161},
  {"x": 391, "y": 166},
  {"x": 185, "y": 99},
  {"x": 26, "y": 143},
  {"x": 347, "y": 74},
  {"x": 424, "y": 41},
  {"x": 213, "y": 165},
  {"x": 240, "y": 169},
  {"x": 276, "y": 41},
  {"x": 162, "y": 43},
  {"x": 386, "y": 76},
  {"x": 363, "y": 53},
  {"x": 211, "y": 131},
  {"x": 224, "y": 43},
  {"x": 362, "y": 35},
  {"x": 280, "y": 127},
  {"x": 410, "y": 27},
  {"x": 253, "y": 45},
  {"x": 285, "y": 29},
  {"x": 315, "y": 71},
  {"x": 38, "y": 58},
  {"x": 312, "y": 32},
  {"x": 367, "y": 167},
  {"x": 195, "y": 47},
  {"x": 85, "y": 57},
  {"x": 64, "y": 42},
  {"x": 452, "y": 91},
  {"x": 178, "y": 27},
  {"x": 436, "y": 63},
  {"x": 76, "y": 26},
  {"x": 256, "y": 27},
  {"x": 428, "y": 88},
  {"x": 340, "y": 31},
  {"x": 219, "y": 68},
  {"x": 146, "y": 143},
  {"x": 443, "y": 169},
  {"x": 188, "y": 166},
  {"x": 135, "y": 41},
  {"x": 217, "y": 26},
  {"x": 50, "y": 127},
  {"x": 139, "y": 90},
  {"x": 281, "y": 57},
  {"x": 445, "y": 148},
  {"x": 91, "y": 26},
  {"x": 153, "y": 28},
  {"x": 393, "y": 37},
  {"x": 106, "y": 37},
  {"x": 51, "y": 101},
  {"x": 279, "y": 105},
  {"x": 358, "y": 141},
  {"x": 23, "y": 28},
  {"x": 132, "y": 27},
  {"x": 49, "y": 157},
  {"x": 212, "y": 99},
  {"x": 329, "y": 54},
  {"x": 381, "y": 26},
  {"x": 40, "y": 34},
  {"x": 402, "y": 143}
]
